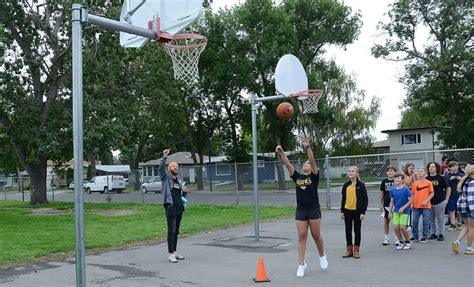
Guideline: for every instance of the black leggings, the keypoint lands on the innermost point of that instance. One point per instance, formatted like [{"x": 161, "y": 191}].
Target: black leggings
[
  {"x": 349, "y": 217},
  {"x": 173, "y": 219}
]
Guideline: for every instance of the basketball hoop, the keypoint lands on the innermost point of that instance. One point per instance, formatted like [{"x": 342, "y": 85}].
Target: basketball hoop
[
  {"x": 308, "y": 100},
  {"x": 184, "y": 50}
]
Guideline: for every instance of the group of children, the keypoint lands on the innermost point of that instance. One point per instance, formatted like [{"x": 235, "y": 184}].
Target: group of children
[{"x": 427, "y": 193}]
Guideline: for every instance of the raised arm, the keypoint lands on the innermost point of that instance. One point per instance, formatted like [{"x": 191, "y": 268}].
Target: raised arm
[
  {"x": 162, "y": 168},
  {"x": 284, "y": 158},
  {"x": 309, "y": 151}
]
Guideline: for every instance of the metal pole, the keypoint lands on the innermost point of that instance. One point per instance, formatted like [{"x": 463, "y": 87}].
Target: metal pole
[
  {"x": 254, "y": 163},
  {"x": 77, "y": 13},
  {"x": 236, "y": 185},
  {"x": 52, "y": 186},
  {"x": 5, "y": 188},
  {"x": 209, "y": 157},
  {"x": 328, "y": 182}
]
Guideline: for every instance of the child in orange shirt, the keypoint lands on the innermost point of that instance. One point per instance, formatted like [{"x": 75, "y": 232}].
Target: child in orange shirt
[{"x": 423, "y": 191}]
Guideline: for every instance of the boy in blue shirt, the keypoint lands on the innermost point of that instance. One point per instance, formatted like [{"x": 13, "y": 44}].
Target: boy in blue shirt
[
  {"x": 400, "y": 202},
  {"x": 452, "y": 177}
]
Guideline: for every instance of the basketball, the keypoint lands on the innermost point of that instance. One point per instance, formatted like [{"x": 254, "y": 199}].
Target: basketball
[{"x": 285, "y": 111}]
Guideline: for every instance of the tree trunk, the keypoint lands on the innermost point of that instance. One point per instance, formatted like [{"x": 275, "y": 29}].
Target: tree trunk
[{"x": 37, "y": 175}]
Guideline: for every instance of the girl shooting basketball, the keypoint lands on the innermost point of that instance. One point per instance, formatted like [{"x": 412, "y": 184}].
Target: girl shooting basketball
[{"x": 308, "y": 213}]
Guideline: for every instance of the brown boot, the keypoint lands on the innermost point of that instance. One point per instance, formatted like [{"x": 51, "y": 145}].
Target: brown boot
[
  {"x": 356, "y": 252},
  {"x": 349, "y": 252}
]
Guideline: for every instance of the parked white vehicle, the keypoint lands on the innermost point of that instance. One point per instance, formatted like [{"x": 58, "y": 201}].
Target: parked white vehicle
[
  {"x": 102, "y": 185},
  {"x": 71, "y": 185},
  {"x": 152, "y": 184}
]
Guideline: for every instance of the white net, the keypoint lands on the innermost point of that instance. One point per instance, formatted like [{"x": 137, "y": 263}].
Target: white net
[
  {"x": 308, "y": 100},
  {"x": 185, "y": 53}
]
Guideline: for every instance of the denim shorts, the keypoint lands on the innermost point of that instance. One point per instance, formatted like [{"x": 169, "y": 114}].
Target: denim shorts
[
  {"x": 468, "y": 214},
  {"x": 452, "y": 204}
]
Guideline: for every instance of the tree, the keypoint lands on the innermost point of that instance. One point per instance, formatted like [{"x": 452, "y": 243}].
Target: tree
[
  {"x": 34, "y": 112},
  {"x": 438, "y": 74}
]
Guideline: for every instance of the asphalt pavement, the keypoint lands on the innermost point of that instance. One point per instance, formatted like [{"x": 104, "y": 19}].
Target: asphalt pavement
[{"x": 229, "y": 258}]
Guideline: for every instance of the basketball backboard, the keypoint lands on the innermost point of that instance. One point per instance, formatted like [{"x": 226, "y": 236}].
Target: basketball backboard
[
  {"x": 290, "y": 76},
  {"x": 175, "y": 15}
]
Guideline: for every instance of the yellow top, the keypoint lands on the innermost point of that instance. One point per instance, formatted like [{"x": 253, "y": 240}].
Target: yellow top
[{"x": 351, "y": 198}]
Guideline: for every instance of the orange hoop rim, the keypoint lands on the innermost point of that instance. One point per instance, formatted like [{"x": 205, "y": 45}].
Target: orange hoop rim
[
  {"x": 202, "y": 39},
  {"x": 307, "y": 93}
]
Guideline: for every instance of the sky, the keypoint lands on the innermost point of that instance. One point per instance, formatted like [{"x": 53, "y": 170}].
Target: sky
[{"x": 377, "y": 77}]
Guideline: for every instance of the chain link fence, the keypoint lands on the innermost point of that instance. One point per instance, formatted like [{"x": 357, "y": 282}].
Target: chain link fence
[{"x": 233, "y": 182}]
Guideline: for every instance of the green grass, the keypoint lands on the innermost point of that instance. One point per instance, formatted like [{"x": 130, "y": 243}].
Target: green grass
[{"x": 27, "y": 237}]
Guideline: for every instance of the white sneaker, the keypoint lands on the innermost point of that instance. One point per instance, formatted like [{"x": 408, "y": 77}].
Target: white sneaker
[
  {"x": 399, "y": 246},
  {"x": 300, "y": 271},
  {"x": 385, "y": 241},
  {"x": 323, "y": 262},
  {"x": 172, "y": 259},
  {"x": 397, "y": 242},
  {"x": 407, "y": 246}
]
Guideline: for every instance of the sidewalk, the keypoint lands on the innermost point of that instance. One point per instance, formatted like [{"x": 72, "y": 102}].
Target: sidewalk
[{"x": 229, "y": 258}]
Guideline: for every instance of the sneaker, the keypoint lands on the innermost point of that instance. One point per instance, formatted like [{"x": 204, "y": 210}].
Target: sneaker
[
  {"x": 455, "y": 247},
  {"x": 448, "y": 223},
  {"x": 179, "y": 257},
  {"x": 469, "y": 251},
  {"x": 424, "y": 240},
  {"x": 300, "y": 271},
  {"x": 397, "y": 242},
  {"x": 399, "y": 246},
  {"x": 406, "y": 246},
  {"x": 434, "y": 236},
  {"x": 385, "y": 241},
  {"x": 172, "y": 259},
  {"x": 414, "y": 239},
  {"x": 459, "y": 225},
  {"x": 452, "y": 228},
  {"x": 441, "y": 237},
  {"x": 323, "y": 262}
]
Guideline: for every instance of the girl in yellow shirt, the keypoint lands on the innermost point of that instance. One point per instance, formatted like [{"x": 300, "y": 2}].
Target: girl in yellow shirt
[{"x": 353, "y": 207}]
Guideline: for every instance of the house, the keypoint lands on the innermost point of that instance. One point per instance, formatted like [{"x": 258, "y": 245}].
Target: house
[
  {"x": 187, "y": 167},
  {"x": 217, "y": 170},
  {"x": 414, "y": 143},
  {"x": 5, "y": 180},
  {"x": 382, "y": 146},
  {"x": 57, "y": 178}
]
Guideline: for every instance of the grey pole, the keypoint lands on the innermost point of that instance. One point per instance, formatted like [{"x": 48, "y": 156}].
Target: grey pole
[
  {"x": 255, "y": 100},
  {"x": 328, "y": 181},
  {"x": 254, "y": 163},
  {"x": 77, "y": 13}
]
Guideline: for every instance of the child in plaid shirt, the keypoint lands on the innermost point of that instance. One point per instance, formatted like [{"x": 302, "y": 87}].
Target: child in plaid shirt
[{"x": 466, "y": 209}]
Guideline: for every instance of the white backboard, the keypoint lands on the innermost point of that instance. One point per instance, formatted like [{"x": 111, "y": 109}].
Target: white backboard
[
  {"x": 290, "y": 76},
  {"x": 175, "y": 15}
]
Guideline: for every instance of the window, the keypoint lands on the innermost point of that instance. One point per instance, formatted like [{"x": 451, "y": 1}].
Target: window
[
  {"x": 223, "y": 169},
  {"x": 411, "y": 138}
]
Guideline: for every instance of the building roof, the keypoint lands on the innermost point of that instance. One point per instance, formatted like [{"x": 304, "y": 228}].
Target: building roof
[
  {"x": 383, "y": 143},
  {"x": 114, "y": 168},
  {"x": 183, "y": 157},
  {"x": 412, "y": 129}
]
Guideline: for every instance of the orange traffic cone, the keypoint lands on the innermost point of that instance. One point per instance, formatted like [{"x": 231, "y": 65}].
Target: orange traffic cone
[{"x": 261, "y": 274}]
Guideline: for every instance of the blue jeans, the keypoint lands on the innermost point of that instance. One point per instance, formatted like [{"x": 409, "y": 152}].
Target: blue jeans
[{"x": 425, "y": 212}]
